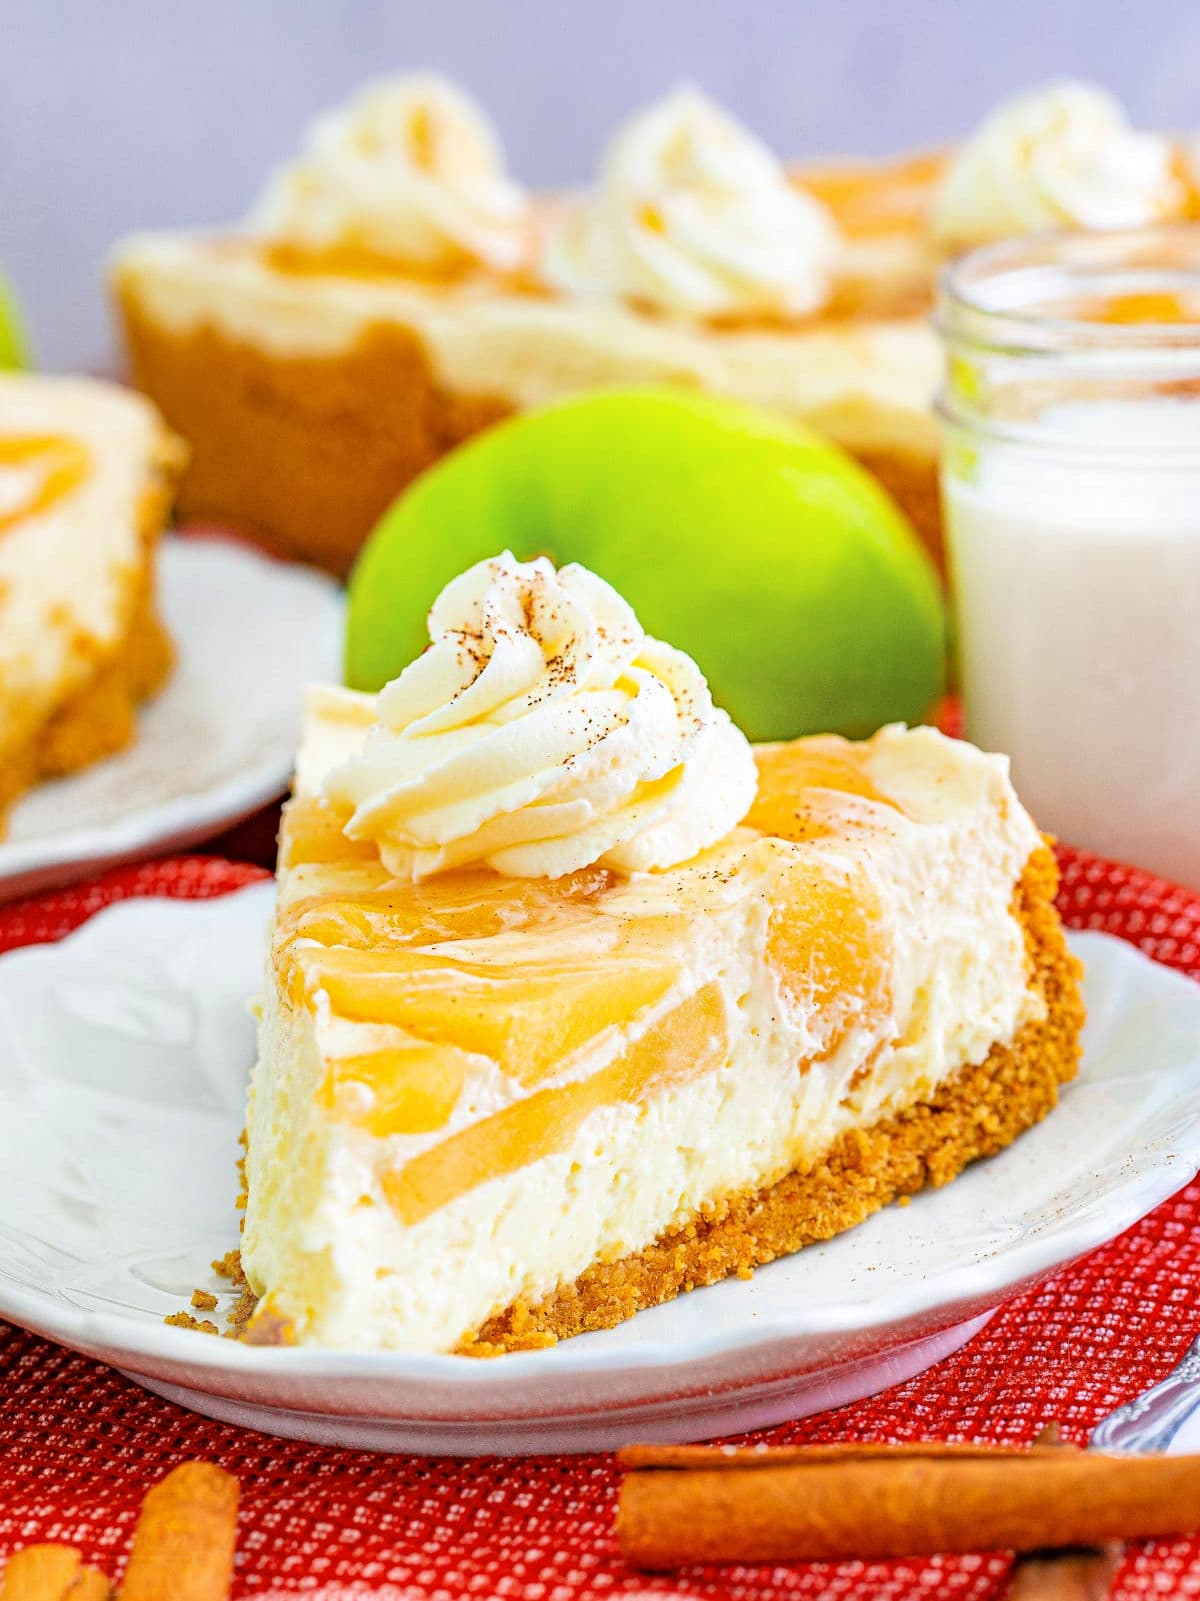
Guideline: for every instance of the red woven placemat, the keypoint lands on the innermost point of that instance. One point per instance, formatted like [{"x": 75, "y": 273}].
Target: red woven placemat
[{"x": 79, "y": 1445}]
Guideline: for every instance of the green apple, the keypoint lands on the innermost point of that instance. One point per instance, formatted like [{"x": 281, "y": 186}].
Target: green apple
[
  {"x": 759, "y": 548},
  {"x": 14, "y": 344}
]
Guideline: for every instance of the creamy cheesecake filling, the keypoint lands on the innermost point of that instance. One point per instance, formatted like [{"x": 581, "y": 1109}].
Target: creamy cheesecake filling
[
  {"x": 75, "y": 460},
  {"x": 868, "y": 381},
  {"x": 742, "y": 1060}
]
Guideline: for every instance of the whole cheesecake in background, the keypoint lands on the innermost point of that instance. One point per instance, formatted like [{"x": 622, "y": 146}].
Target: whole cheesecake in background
[
  {"x": 87, "y": 475},
  {"x": 397, "y": 292},
  {"x": 575, "y": 1000}
]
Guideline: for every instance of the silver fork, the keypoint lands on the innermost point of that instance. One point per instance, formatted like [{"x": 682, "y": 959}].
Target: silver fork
[{"x": 1152, "y": 1420}]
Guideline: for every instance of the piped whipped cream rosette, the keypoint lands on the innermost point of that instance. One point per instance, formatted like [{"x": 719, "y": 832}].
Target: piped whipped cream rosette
[
  {"x": 1061, "y": 156},
  {"x": 693, "y": 214},
  {"x": 410, "y": 172},
  {"x": 543, "y": 731}
]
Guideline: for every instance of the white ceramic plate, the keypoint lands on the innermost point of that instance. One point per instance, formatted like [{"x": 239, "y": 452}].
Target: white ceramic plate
[
  {"x": 124, "y": 1051},
  {"x": 216, "y": 744}
]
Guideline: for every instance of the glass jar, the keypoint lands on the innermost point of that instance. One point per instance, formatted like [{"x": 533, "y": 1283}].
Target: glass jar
[{"x": 1071, "y": 488}]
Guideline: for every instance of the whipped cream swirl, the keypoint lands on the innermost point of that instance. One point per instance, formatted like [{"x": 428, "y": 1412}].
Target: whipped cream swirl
[
  {"x": 411, "y": 172},
  {"x": 693, "y": 214},
  {"x": 1061, "y": 156},
  {"x": 542, "y": 731}
]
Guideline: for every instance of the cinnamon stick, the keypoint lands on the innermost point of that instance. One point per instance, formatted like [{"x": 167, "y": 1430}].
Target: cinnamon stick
[
  {"x": 741, "y": 1457},
  {"x": 680, "y": 1506},
  {"x": 1064, "y": 1575},
  {"x": 183, "y": 1544},
  {"x": 40, "y": 1573}
]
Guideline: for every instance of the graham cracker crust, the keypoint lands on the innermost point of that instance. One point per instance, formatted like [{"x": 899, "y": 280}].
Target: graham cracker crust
[
  {"x": 976, "y": 1113},
  {"x": 99, "y": 718},
  {"x": 912, "y": 482},
  {"x": 305, "y": 453}
]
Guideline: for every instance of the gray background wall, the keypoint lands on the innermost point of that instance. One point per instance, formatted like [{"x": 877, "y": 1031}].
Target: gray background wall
[{"x": 123, "y": 114}]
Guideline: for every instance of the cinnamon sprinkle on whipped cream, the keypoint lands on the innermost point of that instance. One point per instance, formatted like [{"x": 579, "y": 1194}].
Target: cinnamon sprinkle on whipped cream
[{"x": 542, "y": 731}]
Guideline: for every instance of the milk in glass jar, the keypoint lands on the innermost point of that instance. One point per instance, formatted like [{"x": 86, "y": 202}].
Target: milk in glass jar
[{"x": 1071, "y": 486}]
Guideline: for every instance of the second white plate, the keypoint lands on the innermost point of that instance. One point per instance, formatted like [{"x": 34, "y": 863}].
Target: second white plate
[
  {"x": 124, "y": 1051},
  {"x": 217, "y": 744}
]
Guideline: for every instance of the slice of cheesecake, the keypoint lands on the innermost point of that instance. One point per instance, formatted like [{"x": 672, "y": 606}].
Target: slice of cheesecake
[
  {"x": 490, "y": 1112},
  {"x": 86, "y": 478}
]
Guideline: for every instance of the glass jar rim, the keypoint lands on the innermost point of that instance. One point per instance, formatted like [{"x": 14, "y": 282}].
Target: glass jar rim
[{"x": 994, "y": 297}]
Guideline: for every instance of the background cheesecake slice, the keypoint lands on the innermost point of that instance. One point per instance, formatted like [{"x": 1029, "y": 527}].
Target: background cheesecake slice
[
  {"x": 87, "y": 473},
  {"x": 491, "y": 1112}
]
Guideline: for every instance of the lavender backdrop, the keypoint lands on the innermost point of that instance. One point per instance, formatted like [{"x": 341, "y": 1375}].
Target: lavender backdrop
[{"x": 122, "y": 114}]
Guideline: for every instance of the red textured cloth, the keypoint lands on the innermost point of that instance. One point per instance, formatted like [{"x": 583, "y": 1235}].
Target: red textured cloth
[{"x": 79, "y": 1445}]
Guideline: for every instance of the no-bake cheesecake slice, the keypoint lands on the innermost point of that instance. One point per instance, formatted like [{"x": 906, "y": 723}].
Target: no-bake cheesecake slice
[
  {"x": 574, "y": 1002},
  {"x": 87, "y": 472}
]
